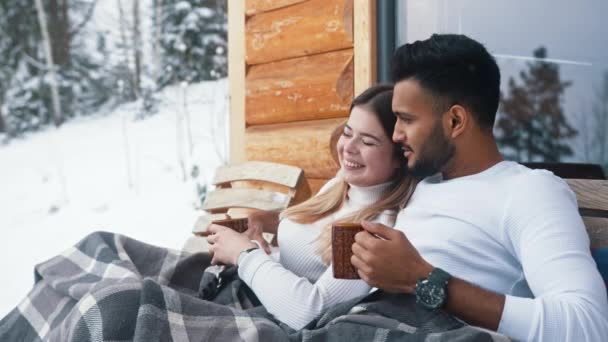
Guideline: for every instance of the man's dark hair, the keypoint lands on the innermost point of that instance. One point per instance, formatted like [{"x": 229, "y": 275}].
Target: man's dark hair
[{"x": 454, "y": 68}]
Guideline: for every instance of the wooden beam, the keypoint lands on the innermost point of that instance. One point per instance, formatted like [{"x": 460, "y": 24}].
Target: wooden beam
[
  {"x": 259, "y": 6},
  {"x": 597, "y": 228},
  {"x": 221, "y": 200},
  {"x": 302, "y": 144},
  {"x": 285, "y": 175},
  {"x": 365, "y": 44},
  {"x": 236, "y": 77},
  {"x": 592, "y": 199},
  {"x": 307, "y": 28},
  {"x": 306, "y": 88}
]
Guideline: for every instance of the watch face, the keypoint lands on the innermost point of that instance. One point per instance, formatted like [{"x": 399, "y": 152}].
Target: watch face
[{"x": 430, "y": 295}]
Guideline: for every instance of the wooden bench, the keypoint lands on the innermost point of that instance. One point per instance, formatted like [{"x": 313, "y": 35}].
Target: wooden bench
[
  {"x": 255, "y": 185},
  {"x": 246, "y": 187}
]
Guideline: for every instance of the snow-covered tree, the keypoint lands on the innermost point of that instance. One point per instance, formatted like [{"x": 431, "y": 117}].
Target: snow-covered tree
[
  {"x": 84, "y": 79},
  {"x": 193, "y": 40},
  {"x": 18, "y": 24},
  {"x": 155, "y": 43}
]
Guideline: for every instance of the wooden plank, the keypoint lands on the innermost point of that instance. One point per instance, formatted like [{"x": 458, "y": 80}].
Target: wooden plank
[
  {"x": 261, "y": 185},
  {"x": 240, "y": 212},
  {"x": 306, "y": 88},
  {"x": 203, "y": 221},
  {"x": 258, "y": 6},
  {"x": 285, "y": 175},
  {"x": 221, "y": 200},
  {"x": 195, "y": 244},
  {"x": 302, "y": 144},
  {"x": 303, "y": 192},
  {"x": 307, "y": 28},
  {"x": 236, "y": 78},
  {"x": 365, "y": 44},
  {"x": 592, "y": 198},
  {"x": 591, "y": 194},
  {"x": 597, "y": 228}
]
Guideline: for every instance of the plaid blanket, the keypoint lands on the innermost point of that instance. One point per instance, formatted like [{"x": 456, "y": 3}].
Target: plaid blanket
[{"x": 112, "y": 288}]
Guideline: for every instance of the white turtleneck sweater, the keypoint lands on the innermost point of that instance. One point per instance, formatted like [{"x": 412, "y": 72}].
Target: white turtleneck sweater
[
  {"x": 299, "y": 287},
  {"x": 514, "y": 231}
]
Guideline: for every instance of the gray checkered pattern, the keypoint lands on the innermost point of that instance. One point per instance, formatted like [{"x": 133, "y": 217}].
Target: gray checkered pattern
[{"x": 112, "y": 288}]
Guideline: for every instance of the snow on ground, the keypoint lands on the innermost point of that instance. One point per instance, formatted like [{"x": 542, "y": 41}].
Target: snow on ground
[{"x": 154, "y": 204}]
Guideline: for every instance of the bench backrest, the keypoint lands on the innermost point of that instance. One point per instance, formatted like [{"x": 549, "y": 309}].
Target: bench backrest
[
  {"x": 246, "y": 187},
  {"x": 592, "y": 197},
  {"x": 255, "y": 185}
]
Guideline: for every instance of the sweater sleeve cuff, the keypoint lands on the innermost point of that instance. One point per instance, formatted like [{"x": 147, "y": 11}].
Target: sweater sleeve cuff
[
  {"x": 517, "y": 317},
  {"x": 250, "y": 263}
]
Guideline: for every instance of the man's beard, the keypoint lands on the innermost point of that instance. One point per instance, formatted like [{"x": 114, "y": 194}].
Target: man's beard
[{"x": 433, "y": 155}]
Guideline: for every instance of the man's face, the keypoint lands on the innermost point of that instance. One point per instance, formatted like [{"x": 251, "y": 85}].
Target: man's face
[{"x": 419, "y": 130}]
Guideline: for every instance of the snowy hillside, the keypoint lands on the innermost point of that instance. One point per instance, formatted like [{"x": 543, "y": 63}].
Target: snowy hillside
[{"x": 107, "y": 172}]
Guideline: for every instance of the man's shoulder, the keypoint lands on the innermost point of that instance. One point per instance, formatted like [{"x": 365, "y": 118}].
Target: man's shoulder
[
  {"x": 514, "y": 175},
  {"x": 498, "y": 186},
  {"x": 514, "y": 185},
  {"x": 531, "y": 187},
  {"x": 527, "y": 179}
]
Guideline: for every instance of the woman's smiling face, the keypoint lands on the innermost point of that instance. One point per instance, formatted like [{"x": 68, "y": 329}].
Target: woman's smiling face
[{"x": 366, "y": 154}]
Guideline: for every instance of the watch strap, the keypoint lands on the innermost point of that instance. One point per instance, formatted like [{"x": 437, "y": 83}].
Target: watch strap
[{"x": 439, "y": 276}]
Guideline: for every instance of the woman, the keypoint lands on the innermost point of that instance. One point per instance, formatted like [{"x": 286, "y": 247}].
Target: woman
[{"x": 371, "y": 185}]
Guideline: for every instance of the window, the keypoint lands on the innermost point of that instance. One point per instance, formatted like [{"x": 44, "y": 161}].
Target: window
[{"x": 553, "y": 56}]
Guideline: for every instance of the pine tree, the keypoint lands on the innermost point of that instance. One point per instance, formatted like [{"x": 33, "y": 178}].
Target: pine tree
[
  {"x": 20, "y": 91},
  {"x": 83, "y": 77},
  {"x": 194, "y": 36},
  {"x": 157, "y": 15},
  {"x": 532, "y": 125}
]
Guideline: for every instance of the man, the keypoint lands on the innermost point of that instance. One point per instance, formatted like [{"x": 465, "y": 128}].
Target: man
[{"x": 493, "y": 243}]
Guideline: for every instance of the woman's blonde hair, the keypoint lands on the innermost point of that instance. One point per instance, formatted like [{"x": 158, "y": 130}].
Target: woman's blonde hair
[{"x": 377, "y": 100}]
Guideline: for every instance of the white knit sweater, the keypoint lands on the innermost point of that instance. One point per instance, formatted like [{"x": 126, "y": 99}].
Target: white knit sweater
[
  {"x": 300, "y": 287},
  {"x": 514, "y": 231}
]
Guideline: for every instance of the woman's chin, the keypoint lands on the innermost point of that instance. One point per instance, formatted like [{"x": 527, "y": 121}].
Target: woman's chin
[{"x": 355, "y": 180}]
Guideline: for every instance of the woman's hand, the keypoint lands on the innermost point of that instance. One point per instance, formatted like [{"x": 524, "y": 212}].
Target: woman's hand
[
  {"x": 226, "y": 244},
  {"x": 262, "y": 222}
]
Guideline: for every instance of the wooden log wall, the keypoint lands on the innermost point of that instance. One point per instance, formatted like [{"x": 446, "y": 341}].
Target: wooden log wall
[{"x": 299, "y": 81}]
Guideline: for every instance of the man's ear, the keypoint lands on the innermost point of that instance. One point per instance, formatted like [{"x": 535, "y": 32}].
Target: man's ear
[{"x": 458, "y": 120}]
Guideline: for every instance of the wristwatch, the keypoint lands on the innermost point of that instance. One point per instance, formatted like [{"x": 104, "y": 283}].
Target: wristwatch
[
  {"x": 431, "y": 292},
  {"x": 243, "y": 253}
]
